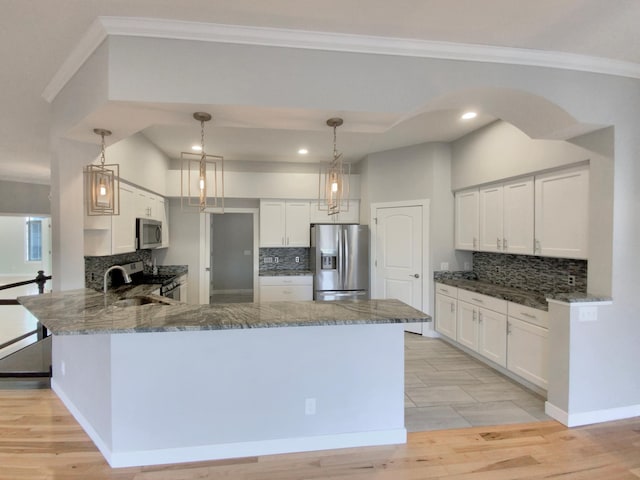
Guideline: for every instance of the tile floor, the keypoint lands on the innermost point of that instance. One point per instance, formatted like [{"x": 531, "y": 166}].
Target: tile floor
[{"x": 446, "y": 388}]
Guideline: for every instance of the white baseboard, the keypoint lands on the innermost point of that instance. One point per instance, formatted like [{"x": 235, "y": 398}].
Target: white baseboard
[
  {"x": 594, "y": 416},
  {"x": 229, "y": 450}
]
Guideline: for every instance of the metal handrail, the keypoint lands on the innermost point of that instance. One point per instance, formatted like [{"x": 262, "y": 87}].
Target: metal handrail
[{"x": 40, "y": 280}]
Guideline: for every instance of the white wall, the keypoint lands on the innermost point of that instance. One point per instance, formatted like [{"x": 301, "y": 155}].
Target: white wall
[
  {"x": 13, "y": 255},
  {"x": 141, "y": 162},
  {"x": 24, "y": 198}
]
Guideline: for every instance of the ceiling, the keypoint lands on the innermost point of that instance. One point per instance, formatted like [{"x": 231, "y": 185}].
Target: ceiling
[{"x": 36, "y": 36}]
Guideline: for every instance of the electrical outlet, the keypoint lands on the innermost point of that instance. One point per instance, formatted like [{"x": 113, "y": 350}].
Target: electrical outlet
[
  {"x": 310, "y": 406},
  {"x": 497, "y": 269},
  {"x": 571, "y": 280},
  {"x": 276, "y": 259},
  {"x": 467, "y": 266},
  {"x": 297, "y": 259},
  {"x": 63, "y": 368},
  {"x": 268, "y": 260},
  {"x": 444, "y": 266}
]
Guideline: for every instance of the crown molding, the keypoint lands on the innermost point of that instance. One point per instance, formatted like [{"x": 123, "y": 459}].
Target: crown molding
[{"x": 102, "y": 27}]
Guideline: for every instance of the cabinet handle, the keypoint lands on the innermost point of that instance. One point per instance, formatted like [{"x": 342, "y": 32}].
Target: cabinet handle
[
  {"x": 508, "y": 328},
  {"x": 536, "y": 246},
  {"x": 528, "y": 315},
  {"x": 453, "y": 308},
  {"x": 479, "y": 317},
  {"x": 476, "y": 300},
  {"x": 498, "y": 243},
  {"x": 504, "y": 244},
  {"x": 475, "y": 313},
  {"x": 474, "y": 242},
  {"x": 283, "y": 241}
]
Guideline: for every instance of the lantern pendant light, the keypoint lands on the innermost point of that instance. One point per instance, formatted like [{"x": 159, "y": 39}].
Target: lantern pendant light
[
  {"x": 333, "y": 180},
  {"x": 102, "y": 183},
  {"x": 201, "y": 176}
]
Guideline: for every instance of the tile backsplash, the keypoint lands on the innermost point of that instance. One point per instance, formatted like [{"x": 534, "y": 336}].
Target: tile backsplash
[
  {"x": 286, "y": 259},
  {"x": 94, "y": 267},
  {"x": 533, "y": 273}
]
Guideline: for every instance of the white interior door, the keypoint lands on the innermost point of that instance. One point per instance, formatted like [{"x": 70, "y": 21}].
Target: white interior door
[{"x": 398, "y": 262}]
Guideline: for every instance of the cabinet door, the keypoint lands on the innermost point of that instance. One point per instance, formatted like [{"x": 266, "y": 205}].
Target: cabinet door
[
  {"x": 446, "y": 316},
  {"x": 528, "y": 351},
  {"x": 561, "y": 213},
  {"x": 466, "y": 220},
  {"x": 491, "y": 213},
  {"x": 492, "y": 333},
  {"x": 272, "y": 223},
  {"x": 467, "y": 325},
  {"x": 163, "y": 216},
  {"x": 279, "y": 293},
  {"x": 123, "y": 228},
  {"x": 518, "y": 217},
  {"x": 297, "y": 224}
]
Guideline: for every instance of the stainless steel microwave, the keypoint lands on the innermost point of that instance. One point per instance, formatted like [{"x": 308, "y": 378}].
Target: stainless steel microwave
[{"x": 148, "y": 233}]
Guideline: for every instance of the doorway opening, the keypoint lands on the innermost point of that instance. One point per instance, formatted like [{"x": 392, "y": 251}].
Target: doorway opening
[{"x": 231, "y": 258}]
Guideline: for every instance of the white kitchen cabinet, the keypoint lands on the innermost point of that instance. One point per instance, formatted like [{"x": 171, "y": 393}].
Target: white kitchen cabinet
[
  {"x": 466, "y": 219},
  {"x": 490, "y": 227},
  {"x": 284, "y": 223},
  {"x": 518, "y": 211},
  {"x": 286, "y": 288},
  {"x": 321, "y": 216},
  {"x": 446, "y": 306},
  {"x": 528, "y": 344},
  {"x": 163, "y": 216},
  {"x": 482, "y": 325},
  {"x": 506, "y": 217},
  {"x": 149, "y": 205},
  {"x": 123, "y": 226},
  {"x": 561, "y": 213}
]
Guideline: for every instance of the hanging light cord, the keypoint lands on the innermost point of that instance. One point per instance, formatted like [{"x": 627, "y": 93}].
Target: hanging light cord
[
  {"x": 102, "y": 159},
  {"x": 202, "y": 137}
]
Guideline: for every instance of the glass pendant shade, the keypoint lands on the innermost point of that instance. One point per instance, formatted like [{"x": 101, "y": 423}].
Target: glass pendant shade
[
  {"x": 102, "y": 184},
  {"x": 333, "y": 180},
  {"x": 201, "y": 176}
]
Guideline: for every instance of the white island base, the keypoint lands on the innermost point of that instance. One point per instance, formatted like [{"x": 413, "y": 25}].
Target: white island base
[{"x": 170, "y": 397}]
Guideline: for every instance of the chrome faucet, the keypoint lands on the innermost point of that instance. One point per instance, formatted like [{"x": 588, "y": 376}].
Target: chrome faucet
[{"x": 127, "y": 278}]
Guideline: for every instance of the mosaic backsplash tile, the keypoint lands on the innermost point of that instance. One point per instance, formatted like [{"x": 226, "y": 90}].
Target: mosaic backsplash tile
[
  {"x": 286, "y": 259},
  {"x": 94, "y": 267},
  {"x": 544, "y": 275}
]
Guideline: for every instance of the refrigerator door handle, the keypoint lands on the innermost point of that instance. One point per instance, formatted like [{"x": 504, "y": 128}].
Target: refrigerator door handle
[{"x": 345, "y": 267}]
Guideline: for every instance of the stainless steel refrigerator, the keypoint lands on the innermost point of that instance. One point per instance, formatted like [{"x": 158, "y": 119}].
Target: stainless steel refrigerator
[{"x": 340, "y": 262}]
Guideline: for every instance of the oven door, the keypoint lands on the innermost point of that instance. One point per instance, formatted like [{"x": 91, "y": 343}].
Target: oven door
[{"x": 173, "y": 294}]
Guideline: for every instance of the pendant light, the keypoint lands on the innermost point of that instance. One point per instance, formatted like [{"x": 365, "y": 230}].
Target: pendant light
[
  {"x": 201, "y": 175},
  {"x": 333, "y": 180},
  {"x": 102, "y": 183}
]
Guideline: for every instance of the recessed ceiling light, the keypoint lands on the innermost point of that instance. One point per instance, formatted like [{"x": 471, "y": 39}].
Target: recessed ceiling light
[
  {"x": 469, "y": 115},
  {"x": 303, "y": 151},
  {"x": 196, "y": 148}
]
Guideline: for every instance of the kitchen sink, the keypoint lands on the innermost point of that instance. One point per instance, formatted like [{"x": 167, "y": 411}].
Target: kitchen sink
[{"x": 139, "y": 300}]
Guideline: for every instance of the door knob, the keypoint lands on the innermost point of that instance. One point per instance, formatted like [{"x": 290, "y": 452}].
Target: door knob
[{"x": 416, "y": 275}]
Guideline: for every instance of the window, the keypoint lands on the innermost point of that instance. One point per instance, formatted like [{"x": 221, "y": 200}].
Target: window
[{"x": 34, "y": 239}]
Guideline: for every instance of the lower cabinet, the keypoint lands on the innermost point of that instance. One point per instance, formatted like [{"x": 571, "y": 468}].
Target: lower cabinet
[
  {"x": 446, "y": 300},
  {"x": 511, "y": 335},
  {"x": 286, "y": 288},
  {"x": 528, "y": 344},
  {"x": 482, "y": 325}
]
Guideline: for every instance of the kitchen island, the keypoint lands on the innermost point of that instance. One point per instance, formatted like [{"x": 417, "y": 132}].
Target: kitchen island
[{"x": 158, "y": 383}]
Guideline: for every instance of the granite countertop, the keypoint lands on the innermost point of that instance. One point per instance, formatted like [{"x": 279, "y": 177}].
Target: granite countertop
[
  {"x": 86, "y": 311},
  {"x": 285, "y": 273},
  {"x": 522, "y": 297}
]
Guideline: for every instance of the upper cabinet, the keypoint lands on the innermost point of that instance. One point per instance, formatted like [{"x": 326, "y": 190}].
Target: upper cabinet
[
  {"x": 284, "y": 223},
  {"x": 544, "y": 215},
  {"x": 506, "y": 217},
  {"x": 562, "y": 213},
  {"x": 111, "y": 235},
  {"x": 349, "y": 216},
  {"x": 466, "y": 221}
]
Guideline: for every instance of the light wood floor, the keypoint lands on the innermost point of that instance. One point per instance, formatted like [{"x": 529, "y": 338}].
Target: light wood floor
[{"x": 40, "y": 440}]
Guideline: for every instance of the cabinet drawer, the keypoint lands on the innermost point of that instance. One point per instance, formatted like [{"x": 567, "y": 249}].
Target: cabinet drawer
[
  {"x": 274, "y": 293},
  {"x": 484, "y": 301},
  {"x": 286, "y": 280},
  {"x": 447, "y": 290},
  {"x": 529, "y": 314}
]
